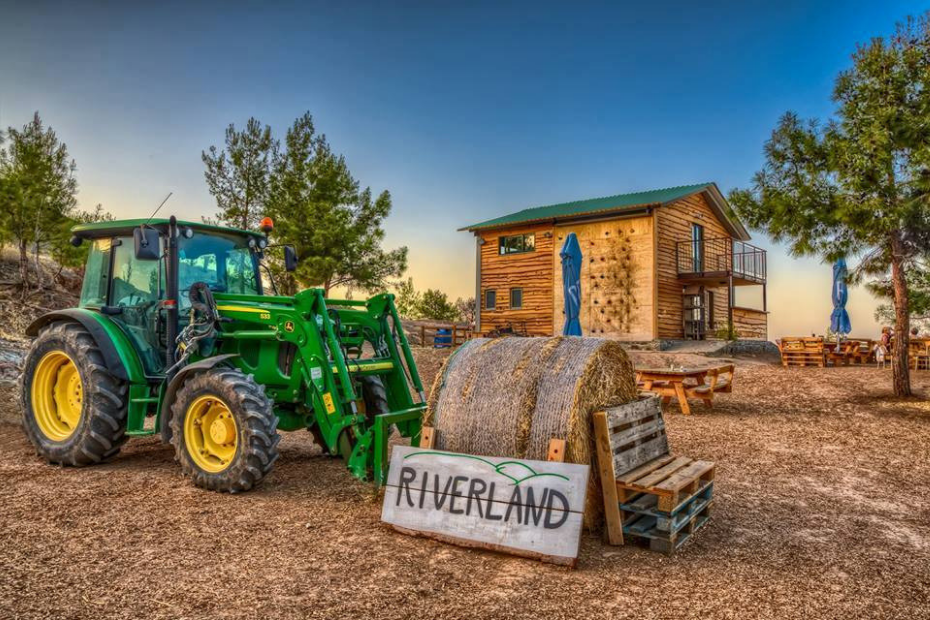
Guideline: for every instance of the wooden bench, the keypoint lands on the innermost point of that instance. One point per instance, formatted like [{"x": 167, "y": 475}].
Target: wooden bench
[
  {"x": 650, "y": 496},
  {"x": 719, "y": 380},
  {"x": 844, "y": 353},
  {"x": 918, "y": 354},
  {"x": 864, "y": 353},
  {"x": 683, "y": 384},
  {"x": 802, "y": 352}
]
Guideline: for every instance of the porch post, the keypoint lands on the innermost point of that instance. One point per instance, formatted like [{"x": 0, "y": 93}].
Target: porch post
[
  {"x": 478, "y": 243},
  {"x": 730, "y": 300}
]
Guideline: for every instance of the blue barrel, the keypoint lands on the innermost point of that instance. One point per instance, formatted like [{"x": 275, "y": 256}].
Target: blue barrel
[{"x": 442, "y": 339}]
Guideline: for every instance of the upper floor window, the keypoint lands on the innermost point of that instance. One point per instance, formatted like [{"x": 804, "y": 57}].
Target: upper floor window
[{"x": 514, "y": 244}]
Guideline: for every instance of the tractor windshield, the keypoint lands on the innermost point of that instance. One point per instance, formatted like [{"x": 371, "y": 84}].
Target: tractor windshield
[{"x": 225, "y": 262}]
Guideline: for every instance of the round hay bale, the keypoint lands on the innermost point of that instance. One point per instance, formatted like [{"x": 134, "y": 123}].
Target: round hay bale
[
  {"x": 510, "y": 396},
  {"x": 486, "y": 395}
]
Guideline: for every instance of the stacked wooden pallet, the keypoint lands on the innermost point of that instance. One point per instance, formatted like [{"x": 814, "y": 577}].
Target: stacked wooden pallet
[
  {"x": 665, "y": 501},
  {"x": 650, "y": 496},
  {"x": 802, "y": 352}
]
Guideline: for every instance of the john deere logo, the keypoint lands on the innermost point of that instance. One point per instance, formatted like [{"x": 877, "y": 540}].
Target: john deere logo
[{"x": 289, "y": 326}]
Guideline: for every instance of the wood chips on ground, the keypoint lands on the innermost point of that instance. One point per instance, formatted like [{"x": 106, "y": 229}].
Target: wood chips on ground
[{"x": 822, "y": 511}]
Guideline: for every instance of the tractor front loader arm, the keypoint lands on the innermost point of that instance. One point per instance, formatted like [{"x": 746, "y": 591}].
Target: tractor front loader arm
[{"x": 341, "y": 368}]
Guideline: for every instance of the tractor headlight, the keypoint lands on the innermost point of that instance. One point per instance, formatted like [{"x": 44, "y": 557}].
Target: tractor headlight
[
  {"x": 263, "y": 243},
  {"x": 251, "y": 243},
  {"x": 187, "y": 232}
]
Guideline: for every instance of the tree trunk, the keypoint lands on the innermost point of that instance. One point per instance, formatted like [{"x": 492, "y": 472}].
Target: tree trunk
[
  {"x": 326, "y": 288},
  {"x": 24, "y": 266},
  {"x": 39, "y": 279},
  {"x": 900, "y": 372}
]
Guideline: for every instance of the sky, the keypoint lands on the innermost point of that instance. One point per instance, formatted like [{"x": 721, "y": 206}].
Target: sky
[{"x": 464, "y": 111}]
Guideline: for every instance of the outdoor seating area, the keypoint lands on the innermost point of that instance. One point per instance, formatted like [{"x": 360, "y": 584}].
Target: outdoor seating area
[
  {"x": 815, "y": 351},
  {"x": 685, "y": 383}
]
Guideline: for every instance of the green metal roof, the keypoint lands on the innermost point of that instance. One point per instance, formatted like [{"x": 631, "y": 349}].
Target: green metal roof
[
  {"x": 609, "y": 204},
  {"x": 118, "y": 227}
]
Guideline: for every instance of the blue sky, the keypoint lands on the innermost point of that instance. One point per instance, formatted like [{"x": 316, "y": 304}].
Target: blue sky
[{"x": 463, "y": 111}]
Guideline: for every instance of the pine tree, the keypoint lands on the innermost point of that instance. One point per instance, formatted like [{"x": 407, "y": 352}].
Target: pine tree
[
  {"x": 435, "y": 305},
  {"x": 407, "y": 300},
  {"x": 918, "y": 296},
  {"x": 238, "y": 176},
  {"x": 336, "y": 227},
  {"x": 60, "y": 248},
  {"x": 37, "y": 197},
  {"x": 860, "y": 184}
]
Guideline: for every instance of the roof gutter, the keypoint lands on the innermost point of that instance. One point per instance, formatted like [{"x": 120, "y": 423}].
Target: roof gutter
[{"x": 595, "y": 216}]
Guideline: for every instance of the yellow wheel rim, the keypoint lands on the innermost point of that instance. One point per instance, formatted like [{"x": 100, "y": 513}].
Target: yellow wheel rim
[
  {"x": 57, "y": 396},
  {"x": 210, "y": 434}
]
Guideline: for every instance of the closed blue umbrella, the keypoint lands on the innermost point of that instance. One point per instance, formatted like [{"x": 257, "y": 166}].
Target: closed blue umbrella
[
  {"x": 571, "y": 283},
  {"x": 839, "y": 320}
]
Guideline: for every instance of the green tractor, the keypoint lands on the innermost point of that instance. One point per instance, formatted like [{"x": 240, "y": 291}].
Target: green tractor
[{"x": 176, "y": 336}]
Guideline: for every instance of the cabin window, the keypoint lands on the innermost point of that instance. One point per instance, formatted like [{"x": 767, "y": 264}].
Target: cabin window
[
  {"x": 516, "y": 298},
  {"x": 490, "y": 299},
  {"x": 515, "y": 244}
]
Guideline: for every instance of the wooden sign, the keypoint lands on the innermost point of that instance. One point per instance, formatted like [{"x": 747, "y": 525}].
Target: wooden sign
[{"x": 529, "y": 508}]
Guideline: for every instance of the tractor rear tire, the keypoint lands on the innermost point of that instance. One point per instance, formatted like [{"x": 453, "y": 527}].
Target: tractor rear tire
[
  {"x": 74, "y": 408},
  {"x": 224, "y": 430}
]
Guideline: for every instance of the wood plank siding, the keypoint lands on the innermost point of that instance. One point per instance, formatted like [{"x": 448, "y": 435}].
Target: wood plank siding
[
  {"x": 673, "y": 224},
  {"x": 617, "y": 277},
  {"x": 530, "y": 271},
  {"x": 750, "y": 324}
]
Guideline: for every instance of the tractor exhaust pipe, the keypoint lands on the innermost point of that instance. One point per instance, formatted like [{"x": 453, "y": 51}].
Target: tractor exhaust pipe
[{"x": 171, "y": 294}]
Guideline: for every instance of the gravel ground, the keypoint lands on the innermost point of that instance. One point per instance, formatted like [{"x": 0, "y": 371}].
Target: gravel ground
[{"x": 822, "y": 511}]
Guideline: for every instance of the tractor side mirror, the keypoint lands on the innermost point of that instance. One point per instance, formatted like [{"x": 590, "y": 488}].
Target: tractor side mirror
[
  {"x": 146, "y": 243},
  {"x": 290, "y": 258}
]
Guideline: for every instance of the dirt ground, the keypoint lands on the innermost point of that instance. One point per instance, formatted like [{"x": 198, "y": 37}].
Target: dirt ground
[{"x": 822, "y": 511}]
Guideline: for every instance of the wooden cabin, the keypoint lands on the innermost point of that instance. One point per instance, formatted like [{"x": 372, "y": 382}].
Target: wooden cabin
[{"x": 660, "y": 264}]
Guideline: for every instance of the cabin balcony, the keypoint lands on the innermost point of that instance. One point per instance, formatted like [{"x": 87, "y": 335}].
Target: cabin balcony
[{"x": 720, "y": 260}]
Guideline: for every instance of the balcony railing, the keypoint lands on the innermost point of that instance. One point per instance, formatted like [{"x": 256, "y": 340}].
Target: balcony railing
[{"x": 721, "y": 256}]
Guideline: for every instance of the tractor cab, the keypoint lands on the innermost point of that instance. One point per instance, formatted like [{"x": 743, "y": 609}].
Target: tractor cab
[{"x": 126, "y": 275}]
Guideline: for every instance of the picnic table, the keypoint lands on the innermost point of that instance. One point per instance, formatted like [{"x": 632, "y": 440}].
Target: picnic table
[{"x": 683, "y": 383}]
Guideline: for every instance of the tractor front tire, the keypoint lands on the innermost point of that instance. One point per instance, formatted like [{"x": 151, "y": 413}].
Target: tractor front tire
[
  {"x": 373, "y": 402},
  {"x": 374, "y": 395},
  {"x": 224, "y": 430},
  {"x": 74, "y": 408}
]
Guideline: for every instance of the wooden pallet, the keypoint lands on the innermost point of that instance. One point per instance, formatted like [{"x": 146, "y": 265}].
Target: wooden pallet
[
  {"x": 802, "y": 352},
  {"x": 646, "y": 529},
  {"x": 672, "y": 480},
  {"x": 647, "y": 504},
  {"x": 657, "y": 497}
]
